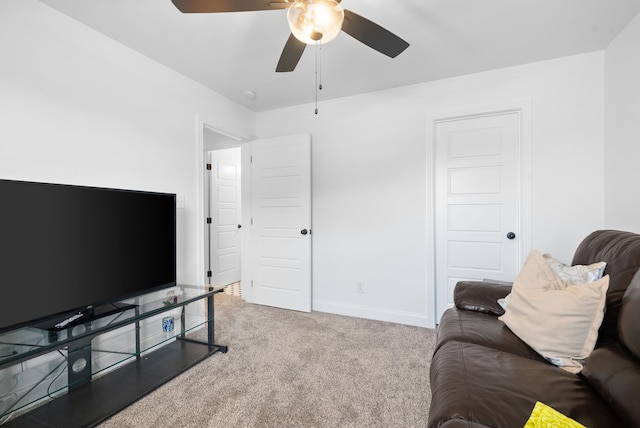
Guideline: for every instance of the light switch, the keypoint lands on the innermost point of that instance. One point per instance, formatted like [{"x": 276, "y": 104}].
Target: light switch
[{"x": 180, "y": 202}]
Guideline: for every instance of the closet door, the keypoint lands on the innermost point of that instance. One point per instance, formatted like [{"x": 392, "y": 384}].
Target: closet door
[{"x": 477, "y": 200}]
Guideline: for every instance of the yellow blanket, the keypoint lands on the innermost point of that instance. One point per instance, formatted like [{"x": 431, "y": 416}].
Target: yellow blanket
[{"x": 544, "y": 416}]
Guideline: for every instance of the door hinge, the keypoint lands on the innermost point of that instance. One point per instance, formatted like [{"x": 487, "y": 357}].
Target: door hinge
[
  {"x": 252, "y": 283},
  {"x": 252, "y": 221},
  {"x": 250, "y": 159},
  {"x": 208, "y": 220},
  {"x": 208, "y": 167},
  {"x": 209, "y": 274}
]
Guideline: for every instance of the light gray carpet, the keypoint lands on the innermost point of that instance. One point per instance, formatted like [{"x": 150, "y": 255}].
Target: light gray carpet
[{"x": 292, "y": 369}]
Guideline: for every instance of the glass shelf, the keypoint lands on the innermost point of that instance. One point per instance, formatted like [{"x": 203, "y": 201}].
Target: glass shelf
[
  {"x": 27, "y": 342},
  {"x": 37, "y": 364}
]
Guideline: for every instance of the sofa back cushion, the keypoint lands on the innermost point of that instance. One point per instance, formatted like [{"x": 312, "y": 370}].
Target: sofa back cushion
[
  {"x": 614, "y": 369},
  {"x": 629, "y": 322},
  {"x": 621, "y": 251},
  {"x": 614, "y": 374}
]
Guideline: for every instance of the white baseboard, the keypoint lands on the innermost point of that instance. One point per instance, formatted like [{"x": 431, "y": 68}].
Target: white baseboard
[{"x": 407, "y": 318}]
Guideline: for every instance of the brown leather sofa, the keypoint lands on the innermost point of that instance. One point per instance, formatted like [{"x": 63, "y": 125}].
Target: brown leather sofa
[{"x": 483, "y": 375}]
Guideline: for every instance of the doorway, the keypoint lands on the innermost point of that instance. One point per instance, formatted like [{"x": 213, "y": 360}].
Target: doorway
[
  {"x": 223, "y": 211},
  {"x": 224, "y": 218},
  {"x": 275, "y": 211},
  {"x": 481, "y": 198}
]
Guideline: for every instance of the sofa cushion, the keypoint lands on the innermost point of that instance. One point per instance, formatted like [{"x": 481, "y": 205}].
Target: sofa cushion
[
  {"x": 576, "y": 274},
  {"x": 481, "y": 329},
  {"x": 615, "y": 375},
  {"x": 559, "y": 320},
  {"x": 621, "y": 251},
  {"x": 498, "y": 389}
]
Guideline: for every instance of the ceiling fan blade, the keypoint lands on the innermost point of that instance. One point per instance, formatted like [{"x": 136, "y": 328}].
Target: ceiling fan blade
[
  {"x": 291, "y": 54},
  {"x": 213, "y": 6},
  {"x": 373, "y": 35}
]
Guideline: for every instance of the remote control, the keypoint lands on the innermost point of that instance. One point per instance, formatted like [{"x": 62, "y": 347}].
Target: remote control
[{"x": 63, "y": 324}]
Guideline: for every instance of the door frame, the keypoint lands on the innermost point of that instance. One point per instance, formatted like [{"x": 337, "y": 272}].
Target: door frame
[
  {"x": 523, "y": 109},
  {"x": 212, "y": 156},
  {"x": 201, "y": 213}
]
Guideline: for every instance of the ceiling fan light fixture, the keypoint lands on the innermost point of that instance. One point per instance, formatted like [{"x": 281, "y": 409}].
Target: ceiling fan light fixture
[{"x": 313, "y": 21}]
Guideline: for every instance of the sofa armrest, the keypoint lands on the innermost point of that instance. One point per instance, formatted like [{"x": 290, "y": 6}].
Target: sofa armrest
[{"x": 480, "y": 296}]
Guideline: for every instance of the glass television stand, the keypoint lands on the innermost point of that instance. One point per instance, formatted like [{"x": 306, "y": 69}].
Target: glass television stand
[{"x": 81, "y": 375}]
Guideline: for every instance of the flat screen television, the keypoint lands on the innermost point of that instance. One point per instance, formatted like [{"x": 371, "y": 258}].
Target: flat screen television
[{"x": 68, "y": 249}]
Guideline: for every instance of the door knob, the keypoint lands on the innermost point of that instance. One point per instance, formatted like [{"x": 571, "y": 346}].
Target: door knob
[
  {"x": 239, "y": 226},
  {"x": 511, "y": 235},
  {"x": 304, "y": 231}
]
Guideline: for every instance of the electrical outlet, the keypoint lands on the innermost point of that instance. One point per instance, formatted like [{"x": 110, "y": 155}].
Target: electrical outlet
[{"x": 359, "y": 287}]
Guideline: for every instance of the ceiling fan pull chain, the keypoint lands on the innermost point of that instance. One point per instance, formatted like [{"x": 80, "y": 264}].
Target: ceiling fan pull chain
[
  {"x": 320, "y": 65},
  {"x": 316, "y": 85},
  {"x": 318, "y": 70}
]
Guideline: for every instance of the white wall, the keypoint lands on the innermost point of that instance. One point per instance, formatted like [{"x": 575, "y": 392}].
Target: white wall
[
  {"x": 369, "y": 177},
  {"x": 79, "y": 108},
  {"x": 622, "y": 124}
]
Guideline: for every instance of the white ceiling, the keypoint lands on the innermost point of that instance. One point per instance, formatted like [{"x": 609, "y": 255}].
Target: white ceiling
[{"x": 231, "y": 52}]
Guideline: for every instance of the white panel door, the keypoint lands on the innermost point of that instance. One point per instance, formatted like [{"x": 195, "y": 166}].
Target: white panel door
[
  {"x": 225, "y": 216},
  {"x": 477, "y": 194},
  {"x": 281, "y": 216}
]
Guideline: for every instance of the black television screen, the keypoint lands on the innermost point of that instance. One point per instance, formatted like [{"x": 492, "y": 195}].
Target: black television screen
[{"x": 64, "y": 248}]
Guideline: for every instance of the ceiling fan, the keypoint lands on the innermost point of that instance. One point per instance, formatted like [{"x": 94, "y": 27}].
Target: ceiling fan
[{"x": 310, "y": 21}]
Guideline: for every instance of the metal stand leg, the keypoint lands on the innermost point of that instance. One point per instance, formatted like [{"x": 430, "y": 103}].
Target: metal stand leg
[
  {"x": 79, "y": 361},
  {"x": 211, "y": 326},
  {"x": 137, "y": 327},
  {"x": 210, "y": 329}
]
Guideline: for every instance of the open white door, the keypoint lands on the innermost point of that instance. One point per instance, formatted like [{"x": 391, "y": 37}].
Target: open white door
[{"x": 281, "y": 222}]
